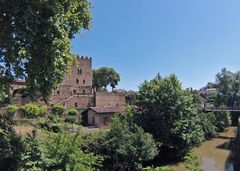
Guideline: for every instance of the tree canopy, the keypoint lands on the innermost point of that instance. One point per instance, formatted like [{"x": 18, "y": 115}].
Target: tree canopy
[
  {"x": 169, "y": 114},
  {"x": 35, "y": 41},
  {"x": 105, "y": 76}
]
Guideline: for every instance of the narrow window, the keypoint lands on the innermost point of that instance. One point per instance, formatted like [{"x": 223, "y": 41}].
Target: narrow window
[
  {"x": 58, "y": 92},
  {"x": 76, "y": 105},
  {"x": 84, "y": 81},
  {"x": 78, "y": 71},
  {"x": 74, "y": 92},
  {"x": 77, "y": 81},
  {"x": 84, "y": 91}
]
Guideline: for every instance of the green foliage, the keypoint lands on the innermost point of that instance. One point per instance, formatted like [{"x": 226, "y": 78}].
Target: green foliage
[
  {"x": 73, "y": 112},
  {"x": 11, "y": 145},
  {"x": 223, "y": 120},
  {"x": 169, "y": 114},
  {"x": 32, "y": 110},
  {"x": 228, "y": 87},
  {"x": 12, "y": 109},
  {"x": 125, "y": 146},
  {"x": 105, "y": 76},
  {"x": 192, "y": 162},
  {"x": 33, "y": 157},
  {"x": 208, "y": 123},
  {"x": 58, "y": 110},
  {"x": 65, "y": 153},
  {"x": 163, "y": 168},
  {"x": 35, "y": 41},
  {"x": 71, "y": 119}
]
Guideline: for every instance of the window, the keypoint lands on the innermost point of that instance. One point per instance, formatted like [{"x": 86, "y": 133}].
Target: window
[
  {"x": 77, "y": 81},
  {"x": 84, "y": 91},
  {"x": 76, "y": 105},
  {"x": 84, "y": 81},
  {"x": 58, "y": 92},
  {"x": 79, "y": 71},
  {"x": 74, "y": 92}
]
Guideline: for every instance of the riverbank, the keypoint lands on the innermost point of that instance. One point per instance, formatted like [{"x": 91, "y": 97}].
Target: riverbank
[{"x": 215, "y": 154}]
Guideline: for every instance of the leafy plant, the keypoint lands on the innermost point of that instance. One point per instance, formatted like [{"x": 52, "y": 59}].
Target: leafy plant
[
  {"x": 73, "y": 112},
  {"x": 58, "y": 110},
  {"x": 192, "y": 162},
  {"x": 32, "y": 110}
]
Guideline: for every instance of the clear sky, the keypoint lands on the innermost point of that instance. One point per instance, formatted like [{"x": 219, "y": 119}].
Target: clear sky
[{"x": 193, "y": 39}]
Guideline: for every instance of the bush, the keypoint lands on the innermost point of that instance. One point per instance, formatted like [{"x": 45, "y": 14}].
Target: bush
[
  {"x": 32, "y": 110},
  {"x": 58, "y": 110},
  {"x": 12, "y": 109},
  {"x": 71, "y": 119},
  {"x": 73, "y": 112}
]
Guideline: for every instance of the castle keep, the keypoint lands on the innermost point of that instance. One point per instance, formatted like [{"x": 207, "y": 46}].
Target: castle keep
[{"x": 76, "y": 89}]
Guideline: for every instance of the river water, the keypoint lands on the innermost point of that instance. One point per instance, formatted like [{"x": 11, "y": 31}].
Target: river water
[{"x": 215, "y": 154}]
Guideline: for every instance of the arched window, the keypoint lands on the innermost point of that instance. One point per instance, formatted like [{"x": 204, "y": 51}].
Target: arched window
[
  {"x": 76, "y": 105},
  {"x": 77, "y": 81},
  {"x": 84, "y": 91},
  {"x": 84, "y": 81}
]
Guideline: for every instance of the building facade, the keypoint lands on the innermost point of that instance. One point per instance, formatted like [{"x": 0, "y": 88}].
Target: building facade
[{"x": 76, "y": 89}]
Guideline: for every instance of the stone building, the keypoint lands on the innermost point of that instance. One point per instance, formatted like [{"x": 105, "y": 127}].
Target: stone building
[{"x": 76, "y": 89}]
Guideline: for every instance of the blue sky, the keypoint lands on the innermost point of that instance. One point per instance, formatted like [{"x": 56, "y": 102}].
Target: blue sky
[{"x": 193, "y": 39}]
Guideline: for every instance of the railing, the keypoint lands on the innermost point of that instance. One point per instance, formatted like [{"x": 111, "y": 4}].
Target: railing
[{"x": 235, "y": 108}]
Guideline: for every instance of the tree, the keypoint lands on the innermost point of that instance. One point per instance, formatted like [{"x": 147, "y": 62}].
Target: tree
[
  {"x": 65, "y": 152},
  {"x": 125, "y": 146},
  {"x": 105, "y": 76},
  {"x": 35, "y": 41},
  {"x": 169, "y": 114},
  {"x": 11, "y": 146}
]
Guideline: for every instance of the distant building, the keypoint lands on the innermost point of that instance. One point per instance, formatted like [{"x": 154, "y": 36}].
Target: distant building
[
  {"x": 76, "y": 89},
  {"x": 99, "y": 116}
]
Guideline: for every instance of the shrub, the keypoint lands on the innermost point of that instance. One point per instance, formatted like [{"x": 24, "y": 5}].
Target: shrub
[
  {"x": 32, "y": 110},
  {"x": 71, "y": 119},
  {"x": 58, "y": 110},
  {"x": 12, "y": 109},
  {"x": 73, "y": 112}
]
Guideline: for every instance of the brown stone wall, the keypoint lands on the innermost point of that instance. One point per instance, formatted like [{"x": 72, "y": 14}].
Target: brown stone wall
[
  {"x": 109, "y": 99},
  {"x": 79, "y": 101},
  {"x": 76, "y": 85},
  {"x": 80, "y": 75}
]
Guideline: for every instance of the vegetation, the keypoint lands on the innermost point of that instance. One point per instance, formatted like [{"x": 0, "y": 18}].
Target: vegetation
[
  {"x": 125, "y": 146},
  {"x": 169, "y": 114},
  {"x": 58, "y": 110},
  {"x": 73, "y": 112},
  {"x": 192, "y": 163},
  {"x": 32, "y": 110},
  {"x": 35, "y": 41},
  {"x": 105, "y": 76}
]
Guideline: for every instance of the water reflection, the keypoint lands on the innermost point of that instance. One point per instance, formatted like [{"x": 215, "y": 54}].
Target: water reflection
[{"x": 215, "y": 154}]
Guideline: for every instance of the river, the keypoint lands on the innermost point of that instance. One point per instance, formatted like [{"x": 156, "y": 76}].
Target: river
[{"x": 215, "y": 154}]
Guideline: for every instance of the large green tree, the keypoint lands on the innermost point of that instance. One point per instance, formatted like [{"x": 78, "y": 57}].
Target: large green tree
[
  {"x": 105, "y": 76},
  {"x": 168, "y": 112},
  {"x": 35, "y": 41},
  {"x": 228, "y": 87},
  {"x": 125, "y": 146}
]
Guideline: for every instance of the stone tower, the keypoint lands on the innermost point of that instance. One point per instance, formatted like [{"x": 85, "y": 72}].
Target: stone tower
[{"x": 76, "y": 88}]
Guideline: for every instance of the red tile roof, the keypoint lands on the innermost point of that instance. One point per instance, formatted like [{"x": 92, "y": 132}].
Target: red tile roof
[{"x": 107, "y": 109}]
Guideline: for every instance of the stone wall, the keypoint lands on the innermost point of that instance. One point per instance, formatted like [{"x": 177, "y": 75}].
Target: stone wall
[{"x": 109, "y": 99}]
